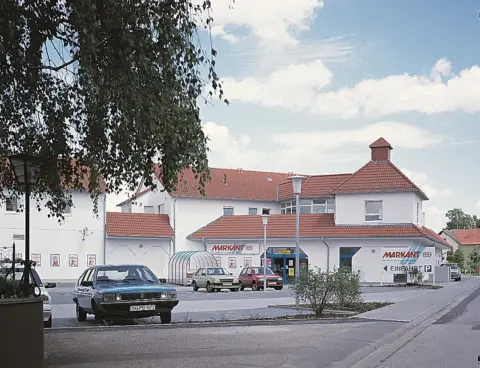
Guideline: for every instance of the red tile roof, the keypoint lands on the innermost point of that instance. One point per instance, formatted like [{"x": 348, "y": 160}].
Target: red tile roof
[
  {"x": 233, "y": 184},
  {"x": 315, "y": 186},
  {"x": 381, "y": 142},
  {"x": 378, "y": 176},
  {"x": 311, "y": 226},
  {"x": 468, "y": 236},
  {"x": 138, "y": 225}
]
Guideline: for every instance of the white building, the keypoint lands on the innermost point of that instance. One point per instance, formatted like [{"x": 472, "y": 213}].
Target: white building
[
  {"x": 345, "y": 219},
  {"x": 61, "y": 251}
]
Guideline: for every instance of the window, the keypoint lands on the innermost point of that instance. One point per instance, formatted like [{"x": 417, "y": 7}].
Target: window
[
  {"x": 148, "y": 209},
  {"x": 418, "y": 213},
  {"x": 161, "y": 209},
  {"x": 309, "y": 206},
  {"x": 219, "y": 261},
  {"x": 265, "y": 211},
  {"x": 252, "y": 211},
  {"x": 200, "y": 271},
  {"x": 373, "y": 210},
  {"x": 11, "y": 204},
  {"x": 127, "y": 208},
  {"x": 228, "y": 211}
]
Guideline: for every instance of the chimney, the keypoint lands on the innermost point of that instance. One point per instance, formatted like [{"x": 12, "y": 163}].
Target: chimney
[{"x": 381, "y": 150}]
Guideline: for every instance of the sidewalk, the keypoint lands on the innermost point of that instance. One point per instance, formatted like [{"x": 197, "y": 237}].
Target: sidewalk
[{"x": 421, "y": 304}]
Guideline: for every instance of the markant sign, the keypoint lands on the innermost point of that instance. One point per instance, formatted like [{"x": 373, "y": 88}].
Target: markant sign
[{"x": 401, "y": 260}]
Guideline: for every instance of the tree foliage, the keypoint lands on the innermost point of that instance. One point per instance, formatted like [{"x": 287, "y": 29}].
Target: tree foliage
[
  {"x": 457, "y": 219},
  {"x": 103, "y": 89}
]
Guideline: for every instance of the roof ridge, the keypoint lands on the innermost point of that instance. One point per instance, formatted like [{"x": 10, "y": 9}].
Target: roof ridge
[{"x": 402, "y": 174}]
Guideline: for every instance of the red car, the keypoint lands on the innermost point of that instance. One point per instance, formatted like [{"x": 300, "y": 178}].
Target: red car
[{"x": 252, "y": 277}]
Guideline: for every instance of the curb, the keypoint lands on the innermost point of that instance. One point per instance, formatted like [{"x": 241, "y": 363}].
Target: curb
[
  {"x": 238, "y": 323},
  {"x": 376, "y": 353}
]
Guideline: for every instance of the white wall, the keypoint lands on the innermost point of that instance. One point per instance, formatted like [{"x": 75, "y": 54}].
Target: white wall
[
  {"x": 153, "y": 253},
  {"x": 368, "y": 260},
  {"x": 398, "y": 208},
  {"x": 152, "y": 198},
  {"x": 48, "y": 237},
  {"x": 314, "y": 249},
  {"x": 194, "y": 213},
  {"x": 450, "y": 241}
]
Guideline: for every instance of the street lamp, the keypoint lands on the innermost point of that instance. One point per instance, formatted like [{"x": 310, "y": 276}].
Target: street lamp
[
  {"x": 25, "y": 168},
  {"x": 297, "y": 189},
  {"x": 265, "y": 222}
]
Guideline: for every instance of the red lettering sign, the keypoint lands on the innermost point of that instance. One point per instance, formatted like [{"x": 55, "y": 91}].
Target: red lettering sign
[{"x": 401, "y": 255}]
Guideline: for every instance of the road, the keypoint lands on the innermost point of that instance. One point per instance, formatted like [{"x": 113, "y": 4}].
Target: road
[
  {"x": 312, "y": 345},
  {"x": 453, "y": 341},
  {"x": 202, "y": 306}
]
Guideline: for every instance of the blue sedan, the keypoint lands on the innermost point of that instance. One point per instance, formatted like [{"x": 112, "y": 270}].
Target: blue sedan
[{"x": 122, "y": 292}]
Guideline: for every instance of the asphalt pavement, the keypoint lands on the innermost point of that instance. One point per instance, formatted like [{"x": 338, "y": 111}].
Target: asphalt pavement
[
  {"x": 286, "y": 346},
  {"x": 221, "y": 306},
  {"x": 453, "y": 341}
]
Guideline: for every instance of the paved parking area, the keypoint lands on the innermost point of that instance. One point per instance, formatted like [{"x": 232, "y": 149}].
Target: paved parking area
[{"x": 201, "y": 306}]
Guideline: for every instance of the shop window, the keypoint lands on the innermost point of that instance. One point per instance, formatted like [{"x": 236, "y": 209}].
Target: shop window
[
  {"x": 228, "y": 211},
  {"x": 232, "y": 262},
  {"x": 373, "y": 211},
  {"x": 252, "y": 211},
  {"x": 219, "y": 261}
]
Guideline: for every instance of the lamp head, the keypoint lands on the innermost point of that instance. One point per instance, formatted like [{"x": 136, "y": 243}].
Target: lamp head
[{"x": 297, "y": 183}]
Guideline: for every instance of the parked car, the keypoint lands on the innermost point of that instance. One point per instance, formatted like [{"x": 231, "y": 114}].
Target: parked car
[
  {"x": 214, "y": 279},
  {"x": 455, "y": 273},
  {"x": 252, "y": 277},
  {"x": 35, "y": 281},
  {"x": 112, "y": 292}
]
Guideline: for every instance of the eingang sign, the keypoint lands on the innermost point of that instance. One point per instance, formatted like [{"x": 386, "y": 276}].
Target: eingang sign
[{"x": 234, "y": 248}]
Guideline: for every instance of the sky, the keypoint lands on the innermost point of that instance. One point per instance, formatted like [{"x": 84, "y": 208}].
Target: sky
[{"x": 312, "y": 83}]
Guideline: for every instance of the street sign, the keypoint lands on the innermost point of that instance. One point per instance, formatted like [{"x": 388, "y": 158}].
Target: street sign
[{"x": 401, "y": 260}]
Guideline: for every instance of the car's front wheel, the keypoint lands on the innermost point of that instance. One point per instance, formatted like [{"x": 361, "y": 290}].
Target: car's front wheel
[
  {"x": 81, "y": 314},
  {"x": 166, "y": 317},
  {"x": 209, "y": 288},
  {"x": 194, "y": 286},
  {"x": 48, "y": 323}
]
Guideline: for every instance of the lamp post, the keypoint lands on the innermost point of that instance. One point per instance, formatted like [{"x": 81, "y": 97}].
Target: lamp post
[
  {"x": 25, "y": 168},
  {"x": 297, "y": 189},
  {"x": 265, "y": 222}
]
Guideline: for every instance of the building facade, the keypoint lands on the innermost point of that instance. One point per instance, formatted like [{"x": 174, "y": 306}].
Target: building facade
[{"x": 346, "y": 219}]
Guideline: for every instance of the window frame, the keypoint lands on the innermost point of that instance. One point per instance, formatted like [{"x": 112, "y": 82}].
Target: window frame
[
  {"x": 323, "y": 205},
  {"x": 266, "y": 211},
  {"x": 228, "y": 208},
  {"x": 250, "y": 210},
  {"x": 152, "y": 207},
  {"x": 13, "y": 202},
  {"x": 161, "y": 209},
  {"x": 380, "y": 214}
]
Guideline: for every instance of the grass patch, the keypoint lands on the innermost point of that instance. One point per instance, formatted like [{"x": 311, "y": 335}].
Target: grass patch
[{"x": 337, "y": 309}]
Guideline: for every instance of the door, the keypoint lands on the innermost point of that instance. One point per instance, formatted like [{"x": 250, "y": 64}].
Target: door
[
  {"x": 200, "y": 278},
  {"x": 246, "y": 277},
  {"x": 290, "y": 270},
  {"x": 84, "y": 295},
  {"x": 346, "y": 256}
]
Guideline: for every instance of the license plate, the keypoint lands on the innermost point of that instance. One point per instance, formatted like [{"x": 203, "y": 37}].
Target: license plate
[
  {"x": 227, "y": 283},
  {"x": 141, "y": 308},
  {"x": 272, "y": 283}
]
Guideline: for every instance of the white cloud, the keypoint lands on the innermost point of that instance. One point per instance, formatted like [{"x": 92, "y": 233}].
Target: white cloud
[
  {"x": 271, "y": 21},
  {"x": 398, "y": 134},
  {"x": 441, "y": 91},
  {"x": 422, "y": 181},
  {"x": 289, "y": 86},
  {"x": 220, "y": 32},
  {"x": 294, "y": 151},
  {"x": 478, "y": 203},
  {"x": 434, "y": 217}
]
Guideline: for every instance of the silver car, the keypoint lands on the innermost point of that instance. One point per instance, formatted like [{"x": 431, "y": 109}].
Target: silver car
[
  {"x": 455, "y": 273},
  {"x": 40, "y": 288}
]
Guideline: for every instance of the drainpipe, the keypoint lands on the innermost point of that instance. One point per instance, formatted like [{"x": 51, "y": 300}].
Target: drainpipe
[
  {"x": 204, "y": 244},
  {"x": 174, "y": 225},
  {"x": 105, "y": 229},
  {"x": 328, "y": 253}
]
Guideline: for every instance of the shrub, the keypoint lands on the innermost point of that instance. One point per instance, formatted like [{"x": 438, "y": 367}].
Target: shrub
[
  {"x": 416, "y": 276},
  {"x": 347, "y": 287},
  {"x": 315, "y": 288},
  {"x": 8, "y": 288}
]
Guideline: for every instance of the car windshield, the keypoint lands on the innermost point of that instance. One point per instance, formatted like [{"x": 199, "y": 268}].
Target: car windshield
[
  {"x": 217, "y": 271},
  {"x": 259, "y": 271},
  {"x": 454, "y": 266},
  {"x": 125, "y": 274}
]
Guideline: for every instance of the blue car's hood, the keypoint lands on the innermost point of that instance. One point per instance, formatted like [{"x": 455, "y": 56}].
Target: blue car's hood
[{"x": 133, "y": 288}]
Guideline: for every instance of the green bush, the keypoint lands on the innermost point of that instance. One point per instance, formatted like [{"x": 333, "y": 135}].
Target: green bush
[
  {"x": 416, "y": 276},
  {"x": 315, "y": 288},
  {"x": 347, "y": 291},
  {"x": 7, "y": 288}
]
